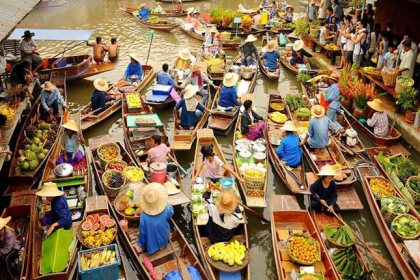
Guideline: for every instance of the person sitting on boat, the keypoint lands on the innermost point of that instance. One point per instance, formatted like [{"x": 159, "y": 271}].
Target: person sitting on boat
[
  {"x": 159, "y": 150},
  {"x": 29, "y": 52},
  {"x": 197, "y": 78},
  {"x": 3, "y": 120},
  {"x": 133, "y": 69},
  {"x": 192, "y": 110},
  {"x": 163, "y": 78},
  {"x": 211, "y": 38},
  {"x": 50, "y": 98},
  {"x": 9, "y": 249},
  {"x": 324, "y": 192},
  {"x": 252, "y": 124},
  {"x": 190, "y": 16},
  {"x": 59, "y": 216},
  {"x": 195, "y": 20},
  {"x": 179, "y": 5},
  {"x": 288, "y": 15},
  {"x": 271, "y": 56},
  {"x": 333, "y": 98},
  {"x": 214, "y": 165},
  {"x": 184, "y": 60},
  {"x": 289, "y": 150},
  {"x": 247, "y": 49},
  {"x": 113, "y": 50},
  {"x": 317, "y": 136},
  {"x": 144, "y": 12},
  {"x": 154, "y": 220},
  {"x": 228, "y": 95},
  {"x": 99, "y": 100},
  {"x": 257, "y": 18},
  {"x": 298, "y": 53},
  {"x": 377, "y": 119},
  {"x": 273, "y": 12},
  {"x": 99, "y": 50},
  {"x": 71, "y": 144}
]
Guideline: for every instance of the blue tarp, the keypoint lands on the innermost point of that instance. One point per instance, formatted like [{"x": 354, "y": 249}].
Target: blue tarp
[{"x": 53, "y": 34}]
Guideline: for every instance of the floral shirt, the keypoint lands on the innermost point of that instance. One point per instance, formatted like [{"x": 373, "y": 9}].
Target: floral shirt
[{"x": 379, "y": 122}]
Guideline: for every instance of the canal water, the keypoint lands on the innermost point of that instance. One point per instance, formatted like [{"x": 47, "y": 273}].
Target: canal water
[{"x": 105, "y": 18}]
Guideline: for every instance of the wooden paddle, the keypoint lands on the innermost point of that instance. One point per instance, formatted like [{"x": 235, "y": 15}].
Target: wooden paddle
[
  {"x": 177, "y": 164},
  {"x": 90, "y": 114},
  {"x": 183, "y": 270}
]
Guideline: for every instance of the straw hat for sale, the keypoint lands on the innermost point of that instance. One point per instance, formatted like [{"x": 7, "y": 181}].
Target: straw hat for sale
[
  {"x": 318, "y": 111},
  {"x": 230, "y": 79},
  {"x": 48, "y": 86},
  {"x": 334, "y": 77},
  {"x": 376, "y": 105},
  {"x": 49, "y": 189},
  {"x": 135, "y": 56},
  {"x": 298, "y": 45},
  {"x": 190, "y": 10},
  {"x": 327, "y": 170},
  {"x": 213, "y": 29},
  {"x": 184, "y": 54},
  {"x": 100, "y": 84},
  {"x": 71, "y": 125},
  {"x": 289, "y": 126},
  {"x": 271, "y": 45},
  {"x": 4, "y": 221},
  {"x": 195, "y": 67},
  {"x": 190, "y": 91},
  {"x": 250, "y": 38},
  {"x": 153, "y": 199},
  {"x": 142, "y": 5},
  {"x": 226, "y": 202},
  {"x": 290, "y": 7}
]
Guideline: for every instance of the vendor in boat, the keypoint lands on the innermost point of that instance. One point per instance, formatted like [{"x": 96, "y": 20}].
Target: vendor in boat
[
  {"x": 3, "y": 120},
  {"x": 133, "y": 69},
  {"x": 228, "y": 96},
  {"x": 377, "y": 119},
  {"x": 163, "y": 78},
  {"x": 318, "y": 135},
  {"x": 333, "y": 98},
  {"x": 190, "y": 16},
  {"x": 247, "y": 50},
  {"x": 198, "y": 78},
  {"x": 324, "y": 192},
  {"x": 298, "y": 53},
  {"x": 192, "y": 110},
  {"x": 184, "y": 60},
  {"x": 271, "y": 56},
  {"x": 144, "y": 12},
  {"x": 159, "y": 151},
  {"x": 59, "y": 216},
  {"x": 50, "y": 98},
  {"x": 195, "y": 20},
  {"x": 289, "y": 150},
  {"x": 154, "y": 220},
  {"x": 99, "y": 50},
  {"x": 71, "y": 144},
  {"x": 214, "y": 165},
  {"x": 9, "y": 249},
  {"x": 29, "y": 52},
  {"x": 252, "y": 124},
  {"x": 99, "y": 100},
  {"x": 288, "y": 15},
  {"x": 113, "y": 50},
  {"x": 211, "y": 38},
  {"x": 179, "y": 5}
]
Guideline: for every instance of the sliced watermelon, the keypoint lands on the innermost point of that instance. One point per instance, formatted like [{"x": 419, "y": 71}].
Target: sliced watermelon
[
  {"x": 87, "y": 225},
  {"x": 102, "y": 227},
  {"x": 110, "y": 223},
  {"x": 90, "y": 218},
  {"x": 96, "y": 217},
  {"x": 122, "y": 207},
  {"x": 95, "y": 227},
  {"x": 104, "y": 218}
]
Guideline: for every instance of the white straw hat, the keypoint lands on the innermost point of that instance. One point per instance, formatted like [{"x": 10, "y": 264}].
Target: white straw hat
[
  {"x": 72, "y": 125},
  {"x": 230, "y": 79},
  {"x": 48, "y": 86},
  {"x": 250, "y": 38},
  {"x": 153, "y": 199},
  {"x": 4, "y": 222},
  {"x": 298, "y": 45},
  {"x": 289, "y": 126},
  {"x": 318, "y": 111},
  {"x": 190, "y": 91},
  {"x": 49, "y": 189},
  {"x": 100, "y": 84},
  {"x": 135, "y": 56},
  {"x": 226, "y": 202},
  {"x": 184, "y": 54}
]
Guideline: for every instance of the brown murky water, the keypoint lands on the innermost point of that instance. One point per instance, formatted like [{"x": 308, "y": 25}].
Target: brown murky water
[{"x": 108, "y": 21}]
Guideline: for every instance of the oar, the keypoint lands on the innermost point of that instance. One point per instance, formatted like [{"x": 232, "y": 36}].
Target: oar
[
  {"x": 177, "y": 164},
  {"x": 90, "y": 114},
  {"x": 183, "y": 270}
]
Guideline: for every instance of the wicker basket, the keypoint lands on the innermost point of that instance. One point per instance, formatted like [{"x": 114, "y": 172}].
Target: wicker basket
[
  {"x": 81, "y": 238},
  {"x": 414, "y": 194},
  {"x": 254, "y": 186},
  {"x": 377, "y": 77},
  {"x": 390, "y": 216},
  {"x": 133, "y": 168},
  {"x": 121, "y": 213},
  {"x": 401, "y": 87},
  {"x": 278, "y": 109},
  {"x": 294, "y": 259},
  {"x": 101, "y": 150},
  {"x": 399, "y": 237},
  {"x": 336, "y": 244},
  {"x": 389, "y": 77},
  {"x": 116, "y": 161},
  {"x": 112, "y": 192},
  {"x": 225, "y": 35}
]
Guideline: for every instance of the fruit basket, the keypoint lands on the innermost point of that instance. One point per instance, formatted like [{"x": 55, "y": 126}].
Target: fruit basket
[
  {"x": 226, "y": 257},
  {"x": 113, "y": 180},
  {"x": 389, "y": 77},
  {"x": 116, "y": 164},
  {"x": 99, "y": 263},
  {"x": 277, "y": 106},
  {"x": 413, "y": 186},
  {"x": 254, "y": 182},
  {"x": 126, "y": 207},
  {"x": 381, "y": 187},
  {"x": 391, "y": 207},
  {"x": 278, "y": 117},
  {"x": 97, "y": 230},
  {"x": 133, "y": 174},
  {"x": 403, "y": 83},
  {"x": 304, "y": 245},
  {"x": 340, "y": 236},
  {"x": 133, "y": 102},
  {"x": 405, "y": 227},
  {"x": 107, "y": 152}
]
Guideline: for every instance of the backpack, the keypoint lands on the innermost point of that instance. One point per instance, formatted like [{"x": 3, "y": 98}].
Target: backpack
[{"x": 365, "y": 44}]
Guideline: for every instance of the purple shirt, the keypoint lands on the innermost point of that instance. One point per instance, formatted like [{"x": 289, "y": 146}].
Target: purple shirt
[{"x": 8, "y": 242}]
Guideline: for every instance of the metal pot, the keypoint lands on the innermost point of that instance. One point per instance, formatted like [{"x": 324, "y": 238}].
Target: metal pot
[
  {"x": 63, "y": 170},
  {"x": 236, "y": 69},
  {"x": 247, "y": 75}
]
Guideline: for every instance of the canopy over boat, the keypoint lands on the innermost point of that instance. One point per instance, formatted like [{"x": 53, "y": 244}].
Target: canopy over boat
[{"x": 53, "y": 34}]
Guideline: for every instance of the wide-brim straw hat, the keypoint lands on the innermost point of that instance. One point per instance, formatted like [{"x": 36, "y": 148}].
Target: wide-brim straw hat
[
  {"x": 100, "y": 84},
  {"x": 230, "y": 79},
  {"x": 135, "y": 56},
  {"x": 334, "y": 77},
  {"x": 196, "y": 12},
  {"x": 271, "y": 45},
  {"x": 190, "y": 91},
  {"x": 213, "y": 29},
  {"x": 184, "y": 54},
  {"x": 289, "y": 126},
  {"x": 4, "y": 222},
  {"x": 250, "y": 38},
  {"x": 318, "y": 111},
  {"x": 290, "y": 7},
  {"x": 71, "y": 125},
  {"x": 298, "y": 45},
  {"x": 376, "y": 105},
  {"x": 49, "y": 189},
  {"x": 226, "y": 202},
  {"x": 190, "y": 10},
  {"x": 171, "y": 188},
  {"x": 48, "y": 86},
  {"x": 195, "y": 67},
  {"x": 153, "y": 199},
  {"x": 327, "y": 170},
  {"x": 142, "y": 5}
]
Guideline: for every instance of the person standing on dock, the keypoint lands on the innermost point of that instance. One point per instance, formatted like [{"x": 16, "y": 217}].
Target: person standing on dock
[
  {"x": 29, "y": 51},
  {"x": 133, "y": 72},
  {"x": 324, "y": 192},
  {"x": 311, "y": 11},
  {"x": 9, "y": 249},
  {"x": 144, "y": 12},
  {"x": 317, "y": 136}
]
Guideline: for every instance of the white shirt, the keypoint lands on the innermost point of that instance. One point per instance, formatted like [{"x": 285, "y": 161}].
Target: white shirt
[
  {"x": 407, "y": 62},
  {"x": 358, "y": 46},
  {"x": 350, "y": 44}
]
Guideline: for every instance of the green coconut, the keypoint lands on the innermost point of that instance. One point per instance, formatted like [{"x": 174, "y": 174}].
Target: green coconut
[{"x": 25, "y": 166}]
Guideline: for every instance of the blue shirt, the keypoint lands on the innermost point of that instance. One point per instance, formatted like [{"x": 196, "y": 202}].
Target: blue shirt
[
  {"x": 60, "y": 212},
  {"x": 134, "y": 70},
  {"x": 164, "y": 79},
  {"x": 188, "y": 118},
  {"x": 318, "y": 132},
  {"x": 228, "y": 97},
  {"x": 154, "y": 230},
  {"x": 98, "y": 99},
  {"x": 70, "y": 145},
  {"x": 289, "y": 150},
  {"x": 48, "y": 98},
  {"x": 144, "y": 13},
  {"x": 271, "y": 59},
  {"x": 333, "y": 96},
  {"x": 329, "y": 194},
  {"x": 389, "y": 62}
]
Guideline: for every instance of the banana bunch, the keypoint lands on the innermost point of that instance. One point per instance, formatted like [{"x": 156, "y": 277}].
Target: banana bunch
[
  {"x": 98, "y": 238},
  {"x": 8, "y": 112},
  {"x": 97, "y": 259},
  {"x": 232, "y": 253}
]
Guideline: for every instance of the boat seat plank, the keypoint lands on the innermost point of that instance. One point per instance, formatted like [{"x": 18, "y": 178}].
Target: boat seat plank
[
  {"x": 181, "y": 145},
  {"x": 179, "y": 198},
  {"x": 15, "y": 188},
  {"x": 166, "y": 267},
  {"x": 167, "y": 251},
  {"x": 283, "y": 202},
  {"x": 398, "y": 148},
  {"x": 256, "y": 201},
  {"x": 283, "y": 234}
]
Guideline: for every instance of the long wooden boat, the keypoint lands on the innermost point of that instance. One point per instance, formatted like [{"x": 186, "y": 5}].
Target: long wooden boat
[
  {"x": 269, "y": 74},
  {"x": 287, "y": 219},
  {"x": 206, "y": 137},
  {"x": 272, "y": 133},
  {"x": 161, "y": 25},
  {"x": 294, "y": 70},
  {"x": 165, "y": 13},
  {"x": 216, "y": 75}
]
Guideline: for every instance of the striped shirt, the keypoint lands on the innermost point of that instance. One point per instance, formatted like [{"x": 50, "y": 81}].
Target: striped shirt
[{"x": 379, "y": 122}]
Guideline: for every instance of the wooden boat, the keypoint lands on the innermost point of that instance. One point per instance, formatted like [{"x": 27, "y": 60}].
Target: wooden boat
[
  {"x": 50, "y": 4},
  {"x": 159, "y": 105},
  {"x": 292, "y": 181},
  {"x": 269, "y": 74},
  {"x": 165, "y": 13},
  {"x": 206, "y": 137},
  {"x": 161, "y": 25},
  {"x": 216, "y": 74},
  {"x": 288, "y": 219},
  {"x": 287, "y": 64}
]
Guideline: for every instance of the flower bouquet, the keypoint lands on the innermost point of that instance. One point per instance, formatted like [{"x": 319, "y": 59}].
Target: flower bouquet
[{"x": 343, "y": 81}]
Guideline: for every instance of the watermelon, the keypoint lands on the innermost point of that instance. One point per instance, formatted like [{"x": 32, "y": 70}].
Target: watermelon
[
  {"x": 104, "y": 218},
  {"x": 95, "y": 227},
  {"x": 122, "y": 207},
  {"x": 87, "y": 225},
  {"x": 102, "y": 227},
  {"x": 96, "y": 217},
  {"x": 110, "y": 223},
  {"x": 91, "y": 219}
]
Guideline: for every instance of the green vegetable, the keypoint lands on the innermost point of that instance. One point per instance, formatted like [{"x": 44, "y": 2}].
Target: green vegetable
[
  {"x": 302, "y": 27},
  {"x": 295, "y": 101},
  {"x": 394, "y": 205},
  {"x": 302, "y": 77},
  {"x": 303, "y": 112},
  {"x": 55, "y": 251},
  {"x": 406, "y": 226}
]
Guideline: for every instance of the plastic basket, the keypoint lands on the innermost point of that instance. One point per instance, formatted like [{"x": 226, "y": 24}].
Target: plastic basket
[
  {"x": 389, "y": 77},
  {"x": 101, "y": 149},
  {"x": 115, "y": 161},
  {"x": 390, "y": 216},
  {"x": 105, "y": 272},
  {"x": 112, "y": 192},
  {"x": 399, "y": 237},
  {"x": 414, "y": 194},
  {"x": 254, "y": 185},
  {"x": 401, "y": 87}
]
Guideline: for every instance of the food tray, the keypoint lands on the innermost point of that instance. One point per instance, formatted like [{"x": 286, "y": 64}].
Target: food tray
[{"x": 220, "y": 265}]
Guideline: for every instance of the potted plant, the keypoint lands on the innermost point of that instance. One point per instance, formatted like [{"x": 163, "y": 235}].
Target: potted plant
[
  {"x": 346, "y": 96},
  {"x": 358, "y": 5},
  {"x": 408, "y": 99},
  {"x": 362, "y": 93}
]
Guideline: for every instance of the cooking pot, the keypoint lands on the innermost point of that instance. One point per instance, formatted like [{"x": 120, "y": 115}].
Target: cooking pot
[
  {"x": 259, "y": 157},
  {"x": 247, "y": 75},
  {"x": 259, "y": 148},
  {"x": 63, "y": 170},
  {"x": 236, "y": 69},
  {"x": 245, "y": 155}
]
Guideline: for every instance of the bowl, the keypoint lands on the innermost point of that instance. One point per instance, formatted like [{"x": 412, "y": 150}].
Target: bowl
[
  {"x": 227, "y": 183},
  {"x": 259, "y": 147},
  {"x": 247, "y": 75},
  {"x": 134, "y": 77},
  {"x": 245, "y": 155}
]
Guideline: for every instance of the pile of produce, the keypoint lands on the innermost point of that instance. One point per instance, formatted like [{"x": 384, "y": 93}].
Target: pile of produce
[
  {"x": 348, "y": 264},
  {"x": 290, "y": 26},
  {"x": 116, "y": 165},
  {"x": 341, "y": 235},
  {"x": 310, "y": 276},
  {"x": 133, "y": 100},
  {"x": 414, "y": 184},
  {"x": 109, "y": 152},
  {"x": 9, "y": 113},
  {"x": 113, "y": 179},
  {"x": 158, "y": 9},
  {"x": 371, "y": 70},
  {"x": 393, "y": 205},
  {"x": 303, "y": 249},
  {"x": 303, "y": 112},
  {"x": 277, "y": 106},
  {"x": 381, "y": 187},
  {"x": 295, "y": 102},
  {"x": 127, "y": 205},
  {"x": 98, "y": 230},
  {"x": 278, "y": 117},
  {"x": 232, "y": 253},
  {"x": 406, "y": 226},
  {"x": 341, "y": 174},
  {"x": 332, "y": 47},
  {"x": 404, "y": 81},
  {"x": 97, "y": 259},
  {"x": 134, "y": 174}
]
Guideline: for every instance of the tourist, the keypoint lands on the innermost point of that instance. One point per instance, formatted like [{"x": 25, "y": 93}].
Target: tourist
[
  {"x": 337, "y": 9},
  {"x": 184, "y": 60},
  {"x": 159, "y": 151},
  {"x": 382, "y": 49},
  {"x": 333, "y": 98},
  {"x": 311, "y": 11},
  {"x": 406, "y": 68},
  {"x": 192, "y": 110},
  {"x": 389, "y": 57},
  {"x": 247, "y": 49},
  {"x": 401, "y": 52},
  {"x": 144, "y": 12},
  {"x": 298, "y": 53},
  {"x": 163, "y": 78},
  {"x": 349, "y": 47},
  {"x": 9, "y": 249},
  {"x": 252, "y": 124},
  {"x": 179, "y": 5},
  {"x": 358, "y": 51},
  {"x": 211, "y": 38},
  {"x": 325, "y": 35},
  {"x": 265, "y": 3},
  {"x": 283, "y": 5},
  {"x": 322, "y": 12},
  {"x": 214, "y": 166},
  {"x": 154, "y": 220},
  {"x": 71, "y": 144},
  {"x": 257, "y": 18},
  {"x": 374, "y": 42},
  {"x": 195, "y": 20},
  {"x": 50, "y": 98},
  {"x": 317, "y": 136},
  {"x": 198, "y": 78},
  {"x": 271, "y": 56},
  {"x": 29, "y": 51},
  {"x": 331, "y": 20},
  {"x": 3, "y": 120},
  {"x": 324, "y": 192},
  {"x": 392, "y": 37},
  {"x": 377, "y": 120},
  {"x": 99, "y": 100},
  {"x": 113, "y": 50},
  {"x": 288, "y": 15},
  {"x": 343, "y": 40},
  {"x": 99, "y": 50},
  {"x": 228, "y": 96},
  {"x": 289, "y": 150},
  {"x": 59, "y": 216},
  {"x": 367, "y": 19},
  {"x": 190, "y": 11},
  {"x": 134, "y": 72}
]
